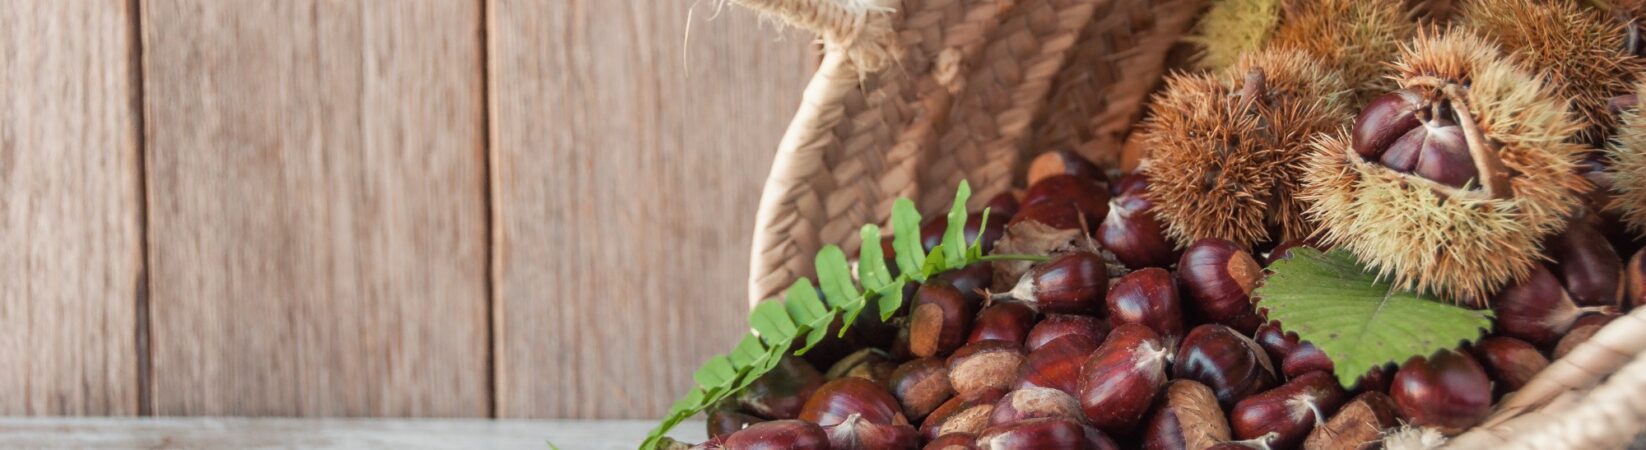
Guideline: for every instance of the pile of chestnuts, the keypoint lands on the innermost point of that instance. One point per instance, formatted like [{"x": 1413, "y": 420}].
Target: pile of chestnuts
[{"x": 1121, "y": 340}]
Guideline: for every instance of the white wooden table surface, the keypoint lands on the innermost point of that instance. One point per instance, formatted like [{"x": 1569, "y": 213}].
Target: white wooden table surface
[{"x": 268, "y": 433}]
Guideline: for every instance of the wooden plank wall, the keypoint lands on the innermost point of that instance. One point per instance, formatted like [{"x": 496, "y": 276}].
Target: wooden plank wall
[{"x": 509, "y": 208}]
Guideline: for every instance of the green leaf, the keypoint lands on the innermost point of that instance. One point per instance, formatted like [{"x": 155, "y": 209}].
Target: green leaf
[
  {"x": 834, "y": 276},
  {"x": 1333, "y": 301},
  {"x": 975, "y": 250},
  {"x": 954, "y": 237},
  {"x": 891, "y": 299},
  {"x": 911, "y": 256},
  {"x": 802, "y": 302},
  {"x": 717, "y": 372},
  {"x": 816, "y": 332},
  {"x": 772, "y": 323},
  {"x": 851, "y": 312},
  {"x": 871, "y": 262},
  {"x": 747, "y": 351},
  {"x": 936, "y": 263}
]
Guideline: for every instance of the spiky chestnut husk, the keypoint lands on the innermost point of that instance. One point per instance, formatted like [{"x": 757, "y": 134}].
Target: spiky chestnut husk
[
  {"x": 1353, "y": 37},
  {"x": 1580, "y": 52},
  {"x": 1461, "y": 244},
  {"x": 1228, "y": 148},
  {"x": 1628, "y": 173},
  {"x": 1232, "y": 28}
]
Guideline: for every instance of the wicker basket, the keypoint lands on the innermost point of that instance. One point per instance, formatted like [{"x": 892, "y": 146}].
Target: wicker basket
[{"x": 913, "y": 96}]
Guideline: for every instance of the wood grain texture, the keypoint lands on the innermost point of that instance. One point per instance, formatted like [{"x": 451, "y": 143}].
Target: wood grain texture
[
  {"x": 627, "y": 165},
  {"x": 317, "y": 221},
  {"x": 318, "y": 434},
  {"x": 70, "y": 224}
]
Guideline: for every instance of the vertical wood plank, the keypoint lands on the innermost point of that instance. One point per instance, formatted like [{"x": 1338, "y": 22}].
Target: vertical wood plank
[
  {"x": 627, "y": 165},
  {"x": 70, "y": 218},
  {"x": 317, "y": 207}
]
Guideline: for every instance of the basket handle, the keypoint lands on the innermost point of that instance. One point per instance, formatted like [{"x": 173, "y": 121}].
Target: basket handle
[{"x": 860, "y": 28}]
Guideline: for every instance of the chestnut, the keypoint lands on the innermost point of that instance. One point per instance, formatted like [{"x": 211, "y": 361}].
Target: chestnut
[
  {"x": 920, "y": 386},
  {"x": 1035, "y": 403},
  {"x": 1057, "y": 365},
  {"x": 851, "y": 396},
  {"x": 858, "y": 433},
  {"x": 1090, "y": 198},
  {"x": 971, "y": 281},
  {"x": 1048, "y": 433},
  {"x": 1056, "y": 215},
  {"x": 871, "y": 364},
  {"x": 985, "y": 369},
  {"x": 1276, "y": 342},
  {"x": 1187, "y": 418},
  {"x": 1121, "y": 379},
  {"x": 1358, "y": 425},
  {"x": 939, "y": 321},
  {"x": 1002, "y": 207},
  {"x": 779, "y": 435},
  {"x": 1307, "y": 358},
  {"x": 1510, "y": 362},
  {"x": 1634, "y": 281},
  {"x": 1224, "y": 360},
  {"x": 1055, "y": 326},
  {"x": 1220, "y": 277},
  {"x": 1573, "y": 339},
  {"x": 1448, "y": 391},
  {"x": 1071, "y": 283},
  {"x": 1384, "y": 120},
  {"x": 1002, "y": 322},
  {"x": 958, "y": 416},
  {"x": 953, "y": 441},
  {"x": 725, "y": 420},
  {"x": 1536, "y": 310},
  {"x": 1586, "y": 264},
  {"x": 1131, "y": 183},
  {"x": 1290, "y": 411},
  {"x": 1062, "y": 162},
  {"x": 1148, "y": 297},
  {"x": 781, "y": 393},
  {"x": 1284, "y": 250},
  {"x": 1134, "y": 235}
]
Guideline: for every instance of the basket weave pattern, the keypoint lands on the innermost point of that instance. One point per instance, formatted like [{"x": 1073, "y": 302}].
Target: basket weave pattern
[{"x": 913, "y": 96}]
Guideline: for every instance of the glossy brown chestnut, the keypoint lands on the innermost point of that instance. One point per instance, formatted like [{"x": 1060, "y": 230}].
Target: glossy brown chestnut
[
  {"x": 1121, "y": 379},
  {"x": 1134, "y": 235},
  {"x": 1510, "y": 362},
  {"x": 1071, "y": 283},
  {"x": 1284, "y": 250},
  {"x": 1002, "y": 207},
  {"x": 1062, "y": 162},
  {"x": 781, "y": 393},
  {"x": 1049, "y": 433},
  {"x": 871, "y": 364},
  {"x": 1148, "y": 297},
  {"x": 1035, "y": 403},
  {"x": 1573, "y": 339},
  {"x": 1220, "y": 277},
  {"x": 1586, "y": 264},
  {"x": 957, "y": 416},
  {"x": 846, "y": 397},
  {"x": 724, "y": 421},
  {"x": 939, "y": 321},
  {"x": 1375, "y": 380},
  {"x": 1276, "y": 342},
  {"x": 1057, "y": 215},
  {"x": 1057, "y": 365},
  {"x": 1307, "y": 358},
  {"x": 1131, "y": 183},
  {"x": 1059, "y": 325},
  {"x": 1290, "y": 411},
  {"x": 1384, "y": 120},
  {"x": 1187, "y": 418},
  {"x": 857, "y": 433},
  {"x": 1224, "y": 360},
  {"x": 1448, "y": 391},
  {"x": 1634, "y": 281},
  {"x": 985, "y": 369},
  {"x": 1358, "y": 425},
  {"x": 779, "y": 435},
  {"x": 1090, "y": 198},
  {"x": 920, "y": 386},
  {"x": 953, "y": 441},
  {"x": 971, "y": 281},
  {"x": 1537, "y": 310},
  {"x": 1008, "y": 322}
]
